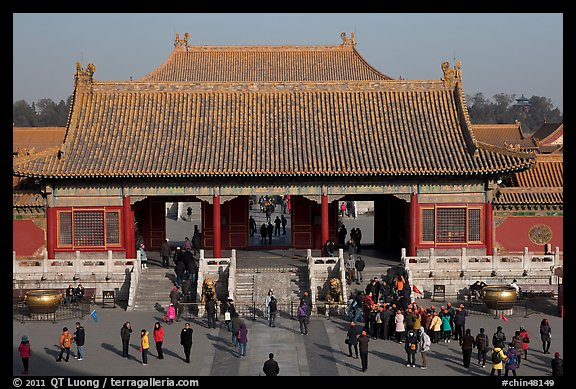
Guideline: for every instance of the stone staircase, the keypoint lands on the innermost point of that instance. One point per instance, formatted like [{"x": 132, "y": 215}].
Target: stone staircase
[
  {"x": 153, "y": 291},
  {"x": 244, "y": 286}
]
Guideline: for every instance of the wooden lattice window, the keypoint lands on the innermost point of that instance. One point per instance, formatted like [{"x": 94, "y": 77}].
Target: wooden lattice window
[
  {"x": 428, "y": 225},
  {"x": 451, "y": 225},
  {"x": 474, "y": 224},
  {"x": 88, "y": 228}
]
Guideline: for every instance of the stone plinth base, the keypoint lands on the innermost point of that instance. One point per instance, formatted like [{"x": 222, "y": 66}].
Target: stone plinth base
[{"x": 499, "y": 312}]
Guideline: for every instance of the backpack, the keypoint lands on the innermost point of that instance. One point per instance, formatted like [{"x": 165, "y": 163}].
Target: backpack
[
  {"x": 496, "y": 357},
  {"x": 481, "y": 341},
  {"x": 511, "y": 360}
]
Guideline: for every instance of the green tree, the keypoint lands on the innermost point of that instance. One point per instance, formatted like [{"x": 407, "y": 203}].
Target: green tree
[
  {"x": 504, "y": 110},
  {"x": 23, "y": 115}
]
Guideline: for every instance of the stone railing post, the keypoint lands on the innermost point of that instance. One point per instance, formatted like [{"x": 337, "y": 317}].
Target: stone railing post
[
  {"x": 557, "y": 256},
  {"x": 494, "y": 259},
  {"x": 463, "y": 260},
  {"x": 526, "y": 260},
  {"x": 343, "y": 274},
  {"x": 232, "y": 274},
  {"x": 109, "y": 262},
  {"x": 403, "y": 255},
  {"x": 432, "y": 259},
  {"x": 45, "y": 263},
  {"x": 201, "y": 265},
  {"x": 77, "y": 264}
]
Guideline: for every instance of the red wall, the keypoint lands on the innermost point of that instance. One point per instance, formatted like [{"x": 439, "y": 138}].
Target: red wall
[
  {"x": 28, "y": 239},
  {"x": 512, "y": 234}
]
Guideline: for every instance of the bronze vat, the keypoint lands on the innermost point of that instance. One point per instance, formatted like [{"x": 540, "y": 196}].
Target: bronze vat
[
  {"x": 501, "y": 297},
  {"x": 43, "y": 300}
]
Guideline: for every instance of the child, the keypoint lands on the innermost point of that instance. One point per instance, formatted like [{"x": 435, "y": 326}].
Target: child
[
  {"x": 170, "y": 314},
  {"x": 24, "y": 350}
]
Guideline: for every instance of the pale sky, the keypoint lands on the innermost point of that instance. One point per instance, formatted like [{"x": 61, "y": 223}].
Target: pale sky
[{"x": 500, "y": 53}]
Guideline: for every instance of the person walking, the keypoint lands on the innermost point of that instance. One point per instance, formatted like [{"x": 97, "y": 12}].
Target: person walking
[
  {"x": 435, "y": 327},
  {"x": 267, "y": 303},
  {"x": 252, "y": 226},
  {"x": 25, "y": 352},
  {"x": 308, "y": 301},
  {"x": 186, "y": 340},
  {"x": 499, "y": 337},
  {"x": 301, "y": 316},
  {"x": 525, "y": 341},
  {"x": 411, "y": 347},
  {"x": 446, "y": 328},
  {"x": 242, "y": 340},
  {"x": 273, "y": 307},
  {"x": 363, "y": 341},
  {"x": 65, "y": 344},
  {"x": 165, "y": 253},
  {"x": 143, "y": 257},
  {"x": 79, "y": 339},
  {"x": 425, "y": 343},
  {"x": 467, "y": 343},
  {"x": 125, "y": 332},
  {"x": 557, "y": 365},
  {"x": 271, "y": 367},
  {"x": 158, "y": 335},
  {"x": 545, "y": 335},
  {"x": 516, "y": 342},
  {"x": 498, "y": 357},
  {"x": 359, "y": 265},
  {"x": 511, "y": 363},
  {"x": 210, "y": 307},
  {"x": 352, "y": 339},
  {"x": 277, "y": 224},
  {"x": 482, "y": 347},
  {"x": 235, "y": 327},
  {"x": 400, "y": 329},
  {"x": 144, "y": 346}
]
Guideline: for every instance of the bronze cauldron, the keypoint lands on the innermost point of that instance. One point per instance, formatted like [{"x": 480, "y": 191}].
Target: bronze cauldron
[
  {"x": 43, "y": 300},
  {"x": 501, "y": 297}
]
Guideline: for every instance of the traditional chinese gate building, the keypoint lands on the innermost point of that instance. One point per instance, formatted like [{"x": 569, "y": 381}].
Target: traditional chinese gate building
[{"x": 217, "y": 124}]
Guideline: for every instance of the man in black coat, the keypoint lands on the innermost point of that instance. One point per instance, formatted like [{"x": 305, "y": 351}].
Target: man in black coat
[
  {"x": 79, "y": 339},
  {"x": 211, "y": 312},
  {"x": 270, "y": 229},
  {"x": 360, "y": 264},
  {"x": 125, "y": 336},
  {"x": 271, "y": 367},
  {"x": 186, "y": 340}
]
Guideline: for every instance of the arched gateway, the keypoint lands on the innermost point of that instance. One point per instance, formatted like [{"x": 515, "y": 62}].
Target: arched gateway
[{"x": 218, "y": 124}]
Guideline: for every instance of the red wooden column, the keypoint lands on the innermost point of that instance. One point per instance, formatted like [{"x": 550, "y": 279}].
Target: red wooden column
[
  {"x": 51, "y": 235},
  {"x": 489, "y": 229},
  {"x": 413, "y": 237},
  {"x": 128, "y": 228},
  {"x": 324, "y": 221},
  {"x": 216, "y": 222}
]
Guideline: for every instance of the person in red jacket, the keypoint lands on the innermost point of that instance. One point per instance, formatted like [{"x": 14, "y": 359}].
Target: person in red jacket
[
  {"x": 525, "y": 341},
  {"x": 158, "y": 334},
  {"x": 24, "y": 350}
]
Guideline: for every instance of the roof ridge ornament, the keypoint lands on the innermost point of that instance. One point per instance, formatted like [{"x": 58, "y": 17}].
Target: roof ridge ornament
[
  {"x": 181, "y": 43},
  {"x": 348, "y": 41},
  {"x": 84, "y": 76},
  {"x": 451, "y": 76}
]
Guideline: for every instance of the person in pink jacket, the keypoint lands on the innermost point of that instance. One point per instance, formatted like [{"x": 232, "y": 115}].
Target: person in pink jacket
[
  {"x": 24, "y": 350},
  {"x": 170, "y": 314}
]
